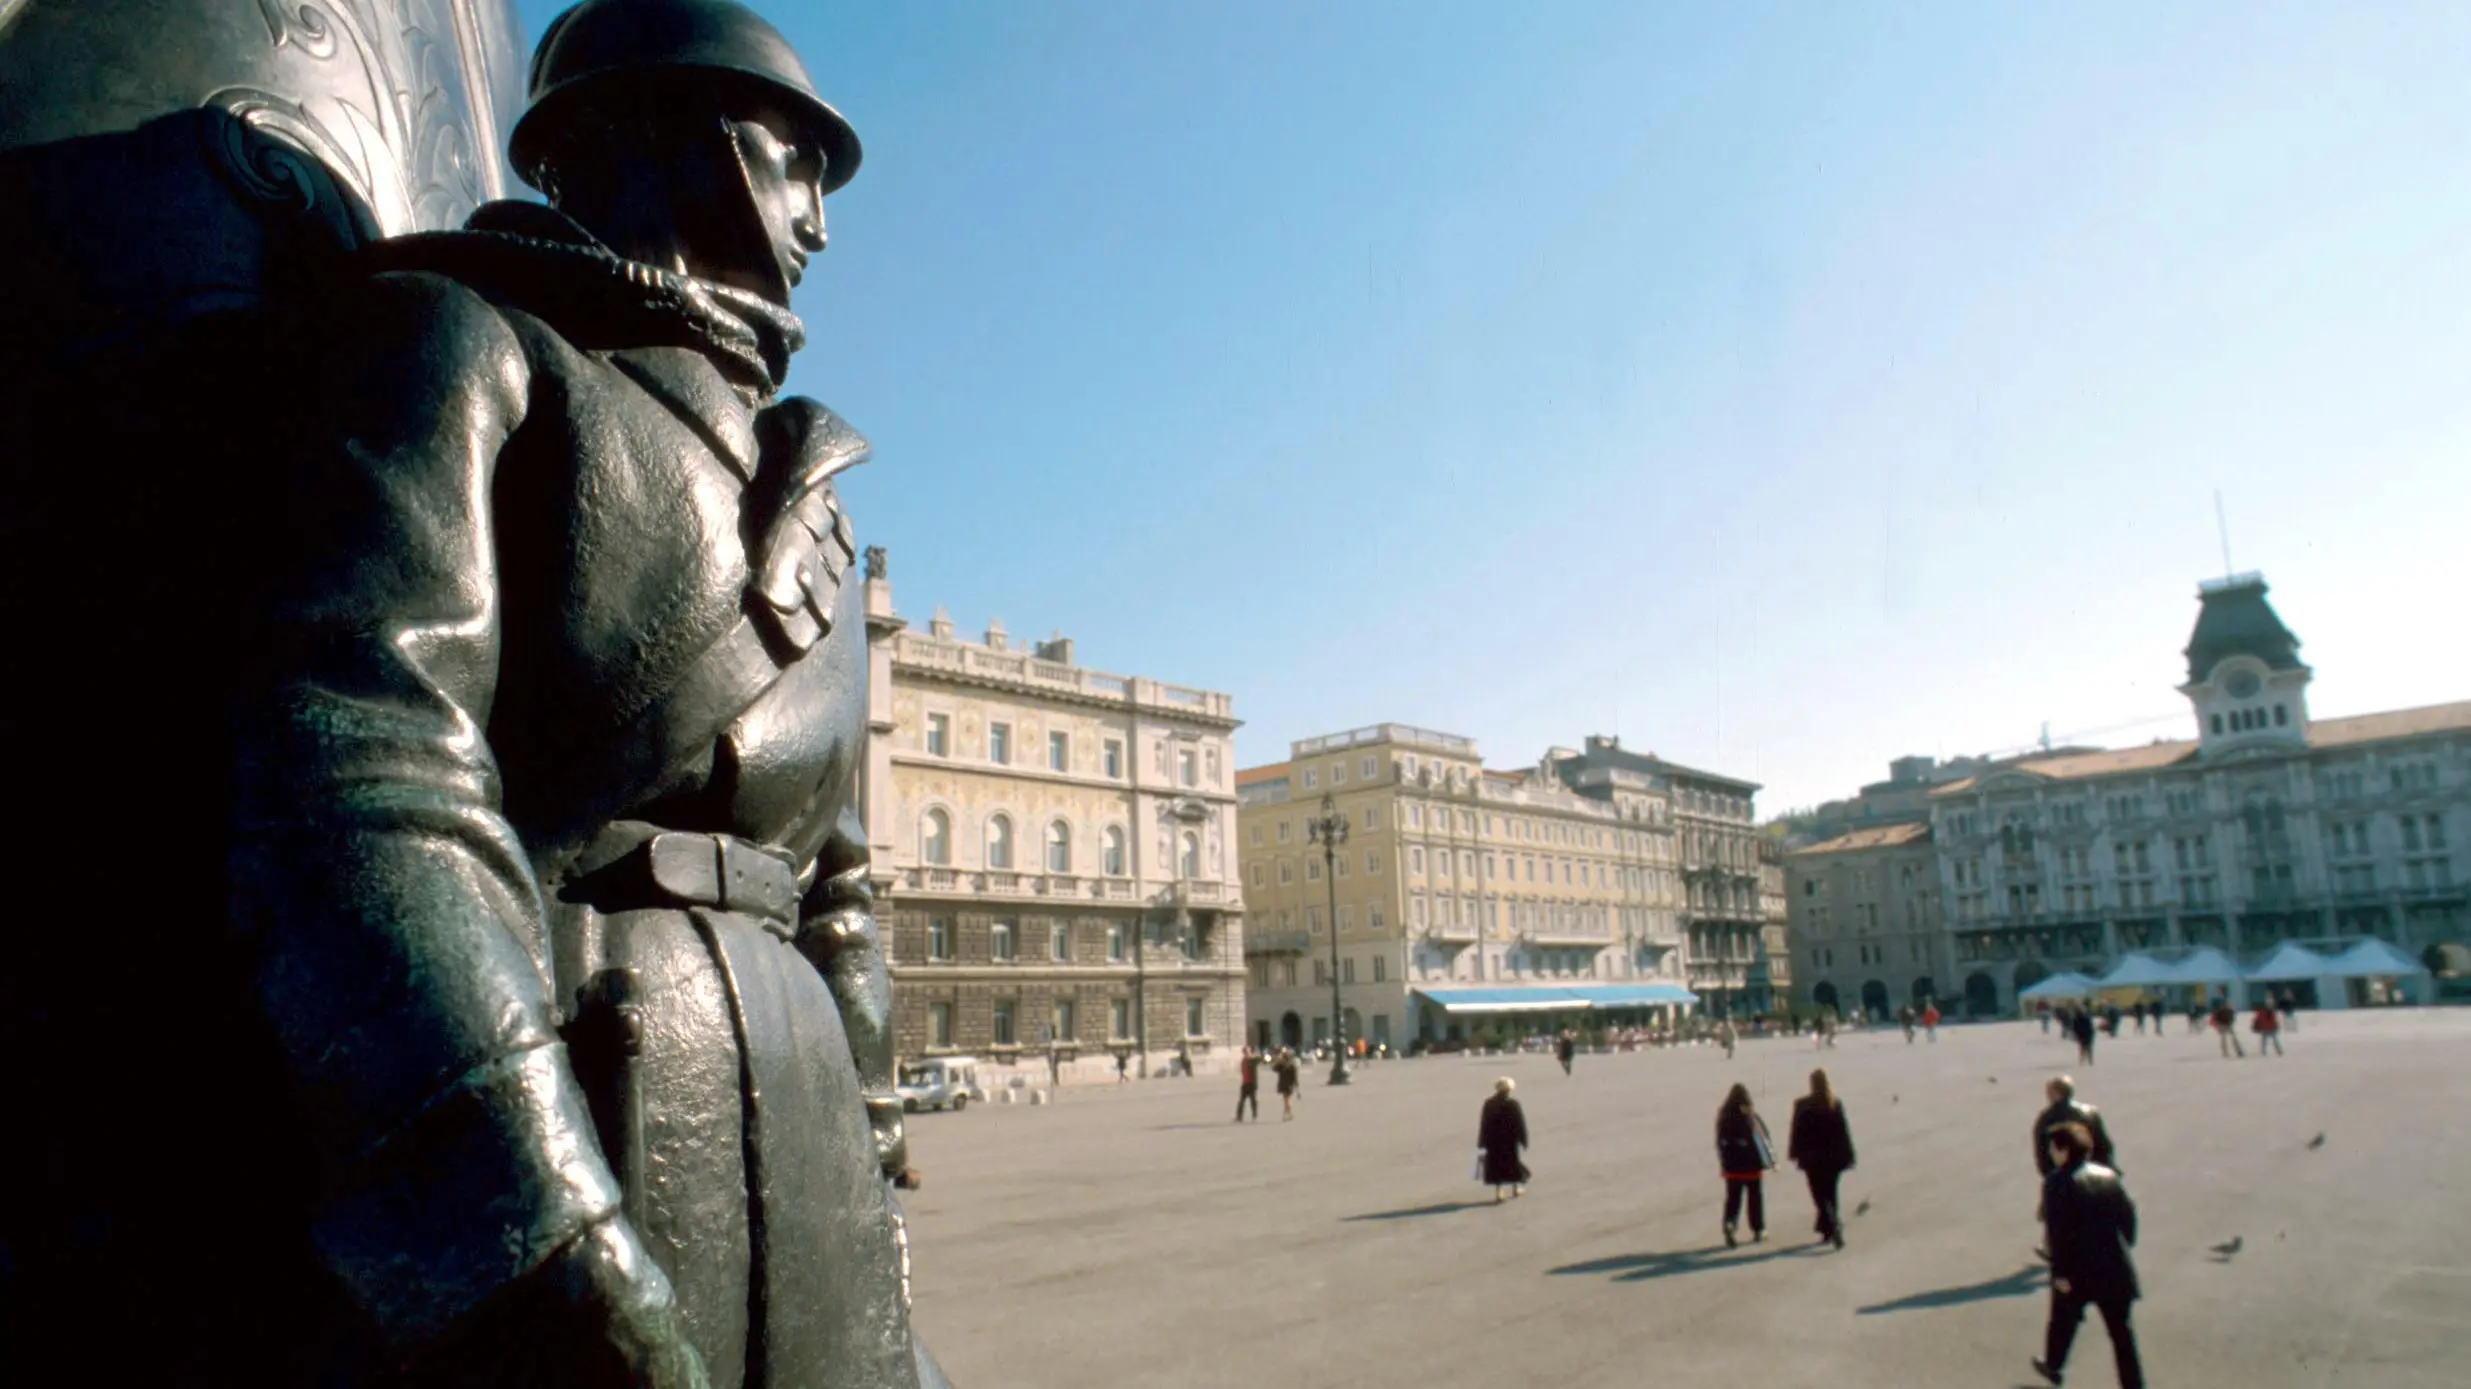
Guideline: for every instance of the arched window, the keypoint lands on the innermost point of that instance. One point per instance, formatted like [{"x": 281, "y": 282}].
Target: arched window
[
  {"x": 1059, "y": 847},
  {"x": 999, "y": 842},
  {"x": 1192, "y": 855},
  {"x": 1115, "y": 851},
  {"x": 935, "y": 837}
]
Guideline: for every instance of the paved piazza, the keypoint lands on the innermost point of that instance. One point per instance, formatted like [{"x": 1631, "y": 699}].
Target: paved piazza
[{"x": 1133, "y": 1236}]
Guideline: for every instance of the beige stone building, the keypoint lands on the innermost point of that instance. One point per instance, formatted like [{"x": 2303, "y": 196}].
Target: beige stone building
[
  {"x": 1460, "y": 893},
  {"x": 1054, "y": 854}
]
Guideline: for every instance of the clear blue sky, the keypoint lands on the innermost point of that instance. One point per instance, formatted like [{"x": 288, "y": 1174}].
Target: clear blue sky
[{"x": 1787, "y": 387}]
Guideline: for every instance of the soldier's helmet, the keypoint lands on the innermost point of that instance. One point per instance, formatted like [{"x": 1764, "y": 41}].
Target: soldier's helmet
[{"x": 603, "y": 52}]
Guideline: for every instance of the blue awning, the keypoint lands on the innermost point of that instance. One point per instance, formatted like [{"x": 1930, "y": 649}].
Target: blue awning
[{"x": 1557, "y": 998}]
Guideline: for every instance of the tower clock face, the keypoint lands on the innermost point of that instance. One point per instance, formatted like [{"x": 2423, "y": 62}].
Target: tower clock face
[{"x": 2241, "y": 685}]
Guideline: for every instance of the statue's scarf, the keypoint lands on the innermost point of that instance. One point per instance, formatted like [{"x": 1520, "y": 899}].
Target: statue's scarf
[{"x": 538, "y": 259}]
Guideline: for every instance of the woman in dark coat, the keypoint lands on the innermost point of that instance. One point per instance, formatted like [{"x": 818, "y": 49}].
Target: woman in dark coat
[
  {"x": 1745, "y": 1155},
  {"x": 1822, "y": 1146},
  {"x": 1500, "y": 1132}
]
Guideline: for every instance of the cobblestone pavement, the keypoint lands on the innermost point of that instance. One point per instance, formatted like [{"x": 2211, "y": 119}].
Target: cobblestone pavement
[{"x": 1135, "y": 1236}]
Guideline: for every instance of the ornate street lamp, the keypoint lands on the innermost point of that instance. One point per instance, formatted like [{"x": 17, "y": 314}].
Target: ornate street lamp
[{"x": 1329, "y": 830}]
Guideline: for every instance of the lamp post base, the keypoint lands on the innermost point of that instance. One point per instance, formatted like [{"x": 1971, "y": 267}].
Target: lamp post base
[{"x": 1338, "y": 1070}]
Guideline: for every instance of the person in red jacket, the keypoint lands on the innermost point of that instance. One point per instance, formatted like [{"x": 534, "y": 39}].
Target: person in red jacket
[{"x": 2267, "y": 1024}]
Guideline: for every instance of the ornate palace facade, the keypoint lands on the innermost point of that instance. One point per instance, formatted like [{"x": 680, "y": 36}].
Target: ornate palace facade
[{"x": 1054, "y": 851}]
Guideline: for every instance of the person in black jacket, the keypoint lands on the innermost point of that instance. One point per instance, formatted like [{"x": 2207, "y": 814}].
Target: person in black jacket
[
  {"x": 1745, "y": 1155},
  {"x": 2091, "y": 1225},
  {"x": 1501, "y": 1131},
  {"x": 1821, "y": 1144},
  {"x": 2066, "y": 1108}
]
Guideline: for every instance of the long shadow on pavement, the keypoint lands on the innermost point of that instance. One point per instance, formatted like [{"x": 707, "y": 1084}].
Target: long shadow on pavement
[
  {"x": 1440, "y": 1208},
  {"x": 1638, "y": 1268},
  {"x": 2023, "y": 1283}
]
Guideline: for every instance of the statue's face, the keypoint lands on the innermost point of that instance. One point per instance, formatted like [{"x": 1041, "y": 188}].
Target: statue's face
[{"x": 786, "y": 178}]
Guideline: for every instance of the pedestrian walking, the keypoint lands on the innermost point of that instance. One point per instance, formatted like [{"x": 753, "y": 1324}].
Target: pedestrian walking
[
  {"x": 1566, "y": 1047},
  {"x": 1930, "y": 1022},
  {"x": 2043, "y": 1011},
  {"x": 2267, "y": 1024},
  {"x": 2066, "y": 1108},
  {"x": 2090, "y": 1225},
  {"x": 2226, "y": 1029},
  {"x": 1905, "y": 1018},
  {"x": 1729, "y": 1037},
  {"x": 1285, "y": 1069},
  {"x": 1745, "y": 1155},
  {"x": 2082, "y": 1026},
  {"x": 1821, "y": 1144},
  {"x": 1123, "y": 1068},
  {"x": 1248, "y": 1085},
  {"x": 1501, "y": 1131},
  {"x": 2287, "y": 1004}
]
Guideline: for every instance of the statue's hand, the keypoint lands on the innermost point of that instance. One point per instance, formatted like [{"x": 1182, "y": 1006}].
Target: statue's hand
[{"x": 599, "y": 1313}]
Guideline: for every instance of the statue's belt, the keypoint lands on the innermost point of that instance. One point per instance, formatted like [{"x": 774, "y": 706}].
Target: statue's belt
[{"x": 633, "y": 865}]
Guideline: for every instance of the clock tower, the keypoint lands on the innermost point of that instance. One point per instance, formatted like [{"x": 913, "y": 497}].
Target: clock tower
[{"x": 2245, "y": 678}]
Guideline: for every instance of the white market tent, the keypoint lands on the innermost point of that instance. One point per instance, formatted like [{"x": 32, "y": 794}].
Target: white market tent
[
  {"x": 2290, "y": 964},
  {"x": 2139, "y": 971},
  {"x": 2206, "y": 965},
  {"x": 2372, "y": 958},
  {"x": 2066, "y": 984}
]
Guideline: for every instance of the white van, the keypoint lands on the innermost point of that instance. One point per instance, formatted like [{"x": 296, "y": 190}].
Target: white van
[{"x": 939, "y": 1082}]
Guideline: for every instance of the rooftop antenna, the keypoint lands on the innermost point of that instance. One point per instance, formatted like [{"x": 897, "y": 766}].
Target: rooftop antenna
[{"x": 2222, "y": 527}]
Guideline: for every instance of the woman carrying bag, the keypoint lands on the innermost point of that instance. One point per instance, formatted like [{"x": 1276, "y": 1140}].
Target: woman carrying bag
[
  {"x": 1743, "y": 1151},
  {"x": 1500, "y": 1132}
]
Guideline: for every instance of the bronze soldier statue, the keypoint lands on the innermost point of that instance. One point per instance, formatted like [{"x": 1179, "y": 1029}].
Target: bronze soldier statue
[{"x": 512, "y": 1010}]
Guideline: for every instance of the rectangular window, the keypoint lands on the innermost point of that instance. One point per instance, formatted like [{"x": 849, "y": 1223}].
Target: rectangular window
[
  {"x": 1005, "y": 1008},
  {"x": 1381, "y": 969},
  {"x": 1116, "y": 943},
  {"x": 1415, "y": 861},
  {"x": 939, "y": 735},
  {"x": 1312, "y": 870},
  {"x": 999, "y": 743},
  {"x": 1000, "y": 941},
  {"x": 1256, "y": 874},
  {"x": 939, "y": 938},
  {"x": 1066, "y": 1026},
  {"x": 1367, "y": 767},
  {"x": 939, "y": 1024},
  {"x": 1120, "y": 1019},
  {"x": 1059, "y": 941},
  {"x": 1112, "y": 755},
  {"x": 1347, "y": 970},
  {"x": 1286, "y": 831},
  {"x": 1194, "y": 1026},
  {"x": 1059, "y": 752},
  {"x": 1338, "y": 771},
  {"x": 1312, "y": 777},
  {"x": 1188, "y": 767}
]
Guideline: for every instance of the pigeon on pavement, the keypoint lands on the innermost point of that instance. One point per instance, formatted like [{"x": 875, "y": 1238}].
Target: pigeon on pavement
[
  {"x": 1864, "y": 1208},
  {"x": 2317, "y": 1142},
  {"x": 2225, "y": 1251}
]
